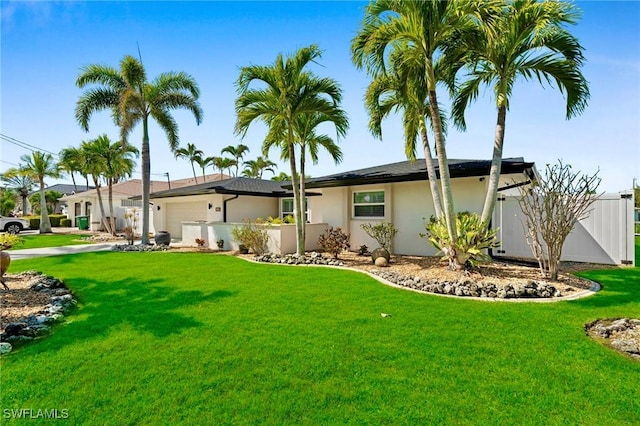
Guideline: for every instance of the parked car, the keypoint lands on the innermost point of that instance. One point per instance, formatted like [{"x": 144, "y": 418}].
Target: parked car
[{"x": 13, "y": 225}]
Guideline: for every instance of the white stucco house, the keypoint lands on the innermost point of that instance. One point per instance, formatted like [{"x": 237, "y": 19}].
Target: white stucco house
[{"x": 397, "y": 193}]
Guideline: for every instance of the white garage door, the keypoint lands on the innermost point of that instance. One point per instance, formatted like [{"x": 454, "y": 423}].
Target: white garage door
[{"x": 179, "y": 212}]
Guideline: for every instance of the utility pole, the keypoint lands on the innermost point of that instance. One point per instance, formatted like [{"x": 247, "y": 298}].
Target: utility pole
[{"x": 168, "y": 181}]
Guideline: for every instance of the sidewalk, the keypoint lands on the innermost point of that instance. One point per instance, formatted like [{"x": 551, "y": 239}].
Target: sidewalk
[{"x": 56, "y": 251}]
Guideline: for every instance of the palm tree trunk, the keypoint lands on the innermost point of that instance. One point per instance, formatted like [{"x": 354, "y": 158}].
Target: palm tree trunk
[
  {"x": 24, "y": 196},
  {"x": 73, "y": 179},
  {"x": 431, "y": 171},
  {"x": 300, "y": 243},
  {"x": 496, "y": 165},
  {"x": 45, "y": 223},
  {"x": 146, "y": 174},
  {"x": 105, "y": 222},
  {"x": 194, "y": 172},
  {"x": 303, "y": 200},
  {"x": 112, "y": 219}
]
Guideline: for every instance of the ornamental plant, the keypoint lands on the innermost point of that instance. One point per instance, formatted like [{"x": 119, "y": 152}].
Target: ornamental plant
[
  {"x": 382, "y": 232},
  {"x": 255, "y": 238},
  {"x": 334, "y": 241},
  {"x": 473, "y": 238}
]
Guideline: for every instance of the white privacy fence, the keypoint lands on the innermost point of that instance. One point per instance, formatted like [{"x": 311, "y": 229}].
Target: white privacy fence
[{"x": 606, "y": 236}]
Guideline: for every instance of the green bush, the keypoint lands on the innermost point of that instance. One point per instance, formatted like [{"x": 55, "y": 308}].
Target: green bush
[
  {"x": 34, "y": 222},
  {"x": 473, "y": 237},
  {"x": 251, "y": 236},
  {"x": 55, "y": 219},
  {"x": 65, "y": 223},
  {"x": 382, "y": 232},
  {"x": 334, "y": 241}
]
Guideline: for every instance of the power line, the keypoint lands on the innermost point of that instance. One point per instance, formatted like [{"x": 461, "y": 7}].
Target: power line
[
  {"x": 9, "y": 162},
  {"x": 24, "y": 145}
]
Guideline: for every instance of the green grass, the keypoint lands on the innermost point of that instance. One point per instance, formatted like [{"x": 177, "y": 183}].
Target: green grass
[
  {"x": 638, "y": 251},
  {"x": 170, "y": 338},
  {"x": 50, "y": 240}
]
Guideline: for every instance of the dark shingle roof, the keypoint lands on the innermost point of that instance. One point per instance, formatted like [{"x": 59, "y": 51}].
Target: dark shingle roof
[
  {"x": 405, "y": 171},
  {"x": 234, "y": 186},
  {"x": 65, "y": 189}
]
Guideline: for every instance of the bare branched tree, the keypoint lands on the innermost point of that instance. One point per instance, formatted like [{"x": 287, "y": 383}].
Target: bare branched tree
[{"x": 551, "y": 207}]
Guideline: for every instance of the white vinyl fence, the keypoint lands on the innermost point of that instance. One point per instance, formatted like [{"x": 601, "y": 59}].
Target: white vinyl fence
[{"x": 606, "y": 236}]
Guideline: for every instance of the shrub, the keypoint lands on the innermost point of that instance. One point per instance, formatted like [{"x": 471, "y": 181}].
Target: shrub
[
  {"x": 251, "y": 236},
  {"x": 473, "y": 237},
  {"x": 34, "y": 222},
  {"x": 65, "y": 223},
  {"x": 56, "y": 219},
  {"x": 382, "y": 232},
  {"x": 334, "y": 241},
  {"x": 9, "y": 240}
]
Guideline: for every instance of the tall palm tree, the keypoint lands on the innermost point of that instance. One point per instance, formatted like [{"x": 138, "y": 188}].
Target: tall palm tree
[
  {"x": 19, "y": 180},
  {"x": 223, "y": 163},
  {"x": 237, "y": 152},
  {"x": 38, "y": 166},
  {"x": 531, "y": 45},
  {"x": 72, "y": 162},
  {"x": 133, "y": 100},
  {"x": 281, "y": 177},
  {"x": 204, "y": 162},
  {"x": 291, "y": 91},
  {"x": 427, "y": 26},
  {"x": 256, "y": 168},
  {"x": 191, "y": 154},
  {"x": 402, "y": 89},
  {"x": 111, "y": 161}
]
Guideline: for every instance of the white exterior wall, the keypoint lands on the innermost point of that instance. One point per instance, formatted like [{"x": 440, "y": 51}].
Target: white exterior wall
[
  {"x": 406, "y": 204},
  {"x": 250, "y": 207},
  {"x": 282, "y": 238}
]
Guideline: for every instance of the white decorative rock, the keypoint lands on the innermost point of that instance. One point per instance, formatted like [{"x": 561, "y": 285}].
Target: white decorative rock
[{"x": 5, "y": 348}]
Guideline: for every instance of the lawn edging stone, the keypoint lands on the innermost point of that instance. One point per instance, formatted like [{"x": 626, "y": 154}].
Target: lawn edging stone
[
  {"x": 37, "y": 324},
  {"x": 533, "y": 291},
  {"x": 621, "y": 334}
]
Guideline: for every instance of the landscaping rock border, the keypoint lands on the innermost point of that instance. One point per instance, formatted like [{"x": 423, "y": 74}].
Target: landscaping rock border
[
  {"x": 469, "y": 288},
  {"x": 313, "y": 258},
  {"x": 622, "y": 334},
  {"x": 140, "y": 247},
  {"x": 39, "y": 324}
]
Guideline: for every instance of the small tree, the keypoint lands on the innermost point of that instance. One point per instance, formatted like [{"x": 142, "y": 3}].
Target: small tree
[
  {"x": 551, "y": 207},
  {"x": 334, "y": 241},
  {"x": 382, "y": 232}
]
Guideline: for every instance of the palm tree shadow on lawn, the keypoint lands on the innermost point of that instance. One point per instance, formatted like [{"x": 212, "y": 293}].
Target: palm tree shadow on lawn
[
  {"x": 619, "y": 287},
  {"x": 148, "y": 308}
]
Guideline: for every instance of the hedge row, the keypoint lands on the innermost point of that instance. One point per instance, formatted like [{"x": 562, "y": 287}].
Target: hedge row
[{"x": 56, "y": 220}]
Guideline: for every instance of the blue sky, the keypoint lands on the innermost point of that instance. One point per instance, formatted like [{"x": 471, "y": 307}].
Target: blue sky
[{"x": 44, "y": 45}]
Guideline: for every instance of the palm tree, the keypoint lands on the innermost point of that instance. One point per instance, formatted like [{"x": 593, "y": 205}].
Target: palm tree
[
  {"x": 19, "y": 180},
  {"x": 531, "y": 44},
  {"x": 428, "y": 27},
  {"x": 38, "y": 166},
  {"x": 290, "y": 92},
  {"x": 133, "y": 100},
  {"x": 282, "y": 177},
  {"x": 223, "y": 163},
  {"x": 192, "y": 154},
  {"x": 255, "y": 168},
  {"x": 237, "y": 152},
  {"x": 402, "y": 88},
  {"x": 204, "y": 162},
  {"x": 71, "y": 161},
  {"x": 112, "y": 161}
]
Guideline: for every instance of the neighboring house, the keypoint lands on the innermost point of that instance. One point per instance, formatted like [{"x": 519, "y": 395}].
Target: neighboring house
[
  {"x": 65, "y": 189},
  {"x": 86, "y": 203},
  {"x": 397, "y": 193}
]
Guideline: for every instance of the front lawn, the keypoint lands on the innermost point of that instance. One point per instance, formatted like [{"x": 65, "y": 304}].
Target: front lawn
[
  {"x": 50, "y": 240},
  {"x": 169, "y": 338}
]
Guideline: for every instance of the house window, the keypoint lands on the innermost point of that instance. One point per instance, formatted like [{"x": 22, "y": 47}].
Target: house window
[
  {"x": 286, "y": 208},
  {"x": 368, "y": 204}
]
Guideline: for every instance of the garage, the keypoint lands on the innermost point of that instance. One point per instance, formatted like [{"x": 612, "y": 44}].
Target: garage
[{"x": 181, "y": 212}]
